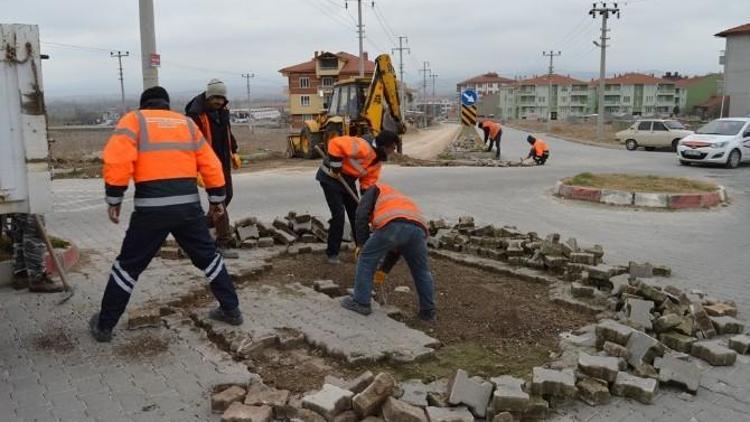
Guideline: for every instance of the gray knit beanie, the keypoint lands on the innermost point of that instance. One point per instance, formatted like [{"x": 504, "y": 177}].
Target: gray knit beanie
[{"x": 216, "y": 88}]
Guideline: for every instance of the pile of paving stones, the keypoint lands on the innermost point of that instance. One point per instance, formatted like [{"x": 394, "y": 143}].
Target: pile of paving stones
[{"x": 294, "y": 228}]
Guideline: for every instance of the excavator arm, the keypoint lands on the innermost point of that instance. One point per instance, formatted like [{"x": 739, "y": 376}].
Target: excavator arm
[{"x": 382, "y": 108}]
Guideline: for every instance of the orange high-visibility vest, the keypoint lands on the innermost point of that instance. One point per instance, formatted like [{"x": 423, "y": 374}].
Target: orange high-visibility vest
[
  {"x": 162, "y": 151},
  {"x": 391, "y": 205},
  {"x": 494, "y": 127},
  {"x": 356, "y": 158},
  {"x": 540, "y": 147}
]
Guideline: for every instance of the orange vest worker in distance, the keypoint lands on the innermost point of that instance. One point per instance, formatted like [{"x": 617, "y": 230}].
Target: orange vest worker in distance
[
  {"x": 493, "y": 132},
  {"x": 350, "y": 158},
  {"x": 539, "y": 150},
  {"x": 163, "y": 152},
  {"x": 400, "y": 229}
]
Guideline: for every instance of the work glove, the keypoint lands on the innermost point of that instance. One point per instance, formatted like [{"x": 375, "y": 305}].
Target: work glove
[
  {"x": 199, "y": 181},
  {"x": 379, "y": 277},
  {"x": 357, "y": 251},
  {"x": 236, "y": 161}
]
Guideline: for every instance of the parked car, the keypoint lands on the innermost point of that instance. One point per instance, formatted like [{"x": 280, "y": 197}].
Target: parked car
[
  {"x": 653, "y": 133},
  {"x": 723, "y": 141}
]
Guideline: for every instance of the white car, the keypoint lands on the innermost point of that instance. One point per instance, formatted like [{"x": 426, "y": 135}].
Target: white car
[
  {"x": 653, "y": 133},
  {"x": 723, "y": 141}
]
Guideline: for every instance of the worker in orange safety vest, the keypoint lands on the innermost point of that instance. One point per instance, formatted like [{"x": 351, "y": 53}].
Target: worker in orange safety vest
[
  {"x": 539, "y": 150},
  {"x": 493, "y": 132}
]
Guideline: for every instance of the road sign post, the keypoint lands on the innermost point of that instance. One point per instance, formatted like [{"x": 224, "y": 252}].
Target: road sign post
[{"x": 468, "y": 116}]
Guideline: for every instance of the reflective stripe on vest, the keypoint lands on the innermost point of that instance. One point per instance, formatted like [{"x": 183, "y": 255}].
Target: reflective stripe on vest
[
  {"x": 127, "y": 132},
  {"x": 354, "y": 162},
  {"x": 166, "y": 200},
  {"x": 144, "y": 140}
]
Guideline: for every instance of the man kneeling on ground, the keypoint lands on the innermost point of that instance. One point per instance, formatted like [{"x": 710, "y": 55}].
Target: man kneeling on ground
[
  {"x": 399, "y": 229},
  {"x": 539, "y": 150}
]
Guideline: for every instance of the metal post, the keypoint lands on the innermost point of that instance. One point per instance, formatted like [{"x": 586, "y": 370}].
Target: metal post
[
  {"x": 604, "y": 12},
  {"x": 247, "y": 77},
  {"x": 551, "y": 56},
  {"x": 400, "y": 50},
  {"x": 424, "y": 71},
  {"x": 432, "y": 108},
  {"x": 148, "y": 43},
  {"x": 119, "y": 56}
]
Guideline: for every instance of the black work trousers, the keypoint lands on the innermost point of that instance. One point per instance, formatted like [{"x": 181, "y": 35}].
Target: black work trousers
[
  {"x": 341, "y": 204},
  {"x": 496, "y": 142},
  {"x": 147, "y": 231}
]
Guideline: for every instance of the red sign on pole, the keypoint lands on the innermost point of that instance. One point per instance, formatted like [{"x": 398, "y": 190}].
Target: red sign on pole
[{"x": 155, "y": 60}]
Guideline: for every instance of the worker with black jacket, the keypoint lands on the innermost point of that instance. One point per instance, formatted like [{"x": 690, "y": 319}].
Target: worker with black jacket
[
  {"x": 400, "y": 229},
  {"x": 349, "y": 159}
]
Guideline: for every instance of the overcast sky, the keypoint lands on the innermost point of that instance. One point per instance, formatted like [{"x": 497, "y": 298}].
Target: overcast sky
[{"x": 199, "y": 40}]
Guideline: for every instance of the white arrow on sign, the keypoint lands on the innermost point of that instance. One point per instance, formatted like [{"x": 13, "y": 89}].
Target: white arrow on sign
[{"x": 469, "y": 97}]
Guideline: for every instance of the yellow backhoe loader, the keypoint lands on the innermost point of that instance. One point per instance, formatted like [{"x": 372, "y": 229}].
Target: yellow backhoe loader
[{"x": 359, "y": 107}]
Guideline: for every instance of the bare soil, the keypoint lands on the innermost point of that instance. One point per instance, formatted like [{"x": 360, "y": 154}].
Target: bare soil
[
  {"x": 141, "y": 347},
  {"x": 584, "y": 131},
  {"x": 54, "y": 339},
  {"x": 640, "y": 183}
]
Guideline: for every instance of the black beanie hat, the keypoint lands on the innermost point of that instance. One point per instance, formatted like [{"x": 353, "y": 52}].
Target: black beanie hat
[
  {"x": 386, "y": 138},
  {"x": 154, "y": 93},
  {"x": 530, "y": 139}
]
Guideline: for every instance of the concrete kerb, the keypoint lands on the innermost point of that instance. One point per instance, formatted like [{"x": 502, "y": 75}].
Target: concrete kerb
[{"x": 671, "y": 201}]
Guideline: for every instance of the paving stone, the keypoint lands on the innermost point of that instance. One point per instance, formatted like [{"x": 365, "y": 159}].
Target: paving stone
[
  {"x": 615, "y": 350},
  {"x": 464, "y": 390},
  {"x": 265, "y": 242},
  {"x": 687, "y": 326},
  {"x": 348, "y": 416},
  {"x": 307, "y": 415},
  {"x": 666, "y": 322},
  {"x": 645, "y": 270},
  {"x": 248, "y": 232},
  {"x": 702, "y": 321},
  {"x": 371, "y": 398},
  {"x": 645, "y": 370},
  {"x": 714, "y": 353},
  {"x": 727, "y": 325},
  {"x": 551, "y": 382},
  {"x": 619, "y": 283},
  {"x": 538, "y": 408},
  {"x": 581, "y": 291},
  {"x": 639, "y": 313},
  {"x": 594, "y": 392},
  {"x": 721, "y": 309},
  {"x": 601, "y": 367},
  {"x": 395, "y": 410},
  {"x": 643, "y": 348},
  {"x": 238, "y": 412},
  {"x": 260, "y": 394},
  {"x": 677, "y": 341},
  {"x": 221, "y": 401},
  {"x": 582, "y": 258},
  {"x": 328, "y": 287},
  {"x": 355, "y": 385},
  {"x": 329, "y": 401},
  {"x": 449, "y": 414},
  {"x": 662, "y": 271},
  {"x": 740, "y": 344},
  {"x": 509, "y": 395},
  {"x": 610, "y": 330},
  {"x": 675, "y": 371},
  {"x": 637, "y": 388},
  {"x": 601, "y": 272},
  {"x": 652, "y": 293},
  {"x": 414, "y": 393},
  {"x": 402, "y": 289}
]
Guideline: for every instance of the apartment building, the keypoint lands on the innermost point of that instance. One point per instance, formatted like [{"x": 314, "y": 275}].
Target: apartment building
[
  {"x": 486, "y": 84},
  {"x": 737, "y": 69},
  {"x": 310, "y": 84},
  {"x": 638, "y": 94}
]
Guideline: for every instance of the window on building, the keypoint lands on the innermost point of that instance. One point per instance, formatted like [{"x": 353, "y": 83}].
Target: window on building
[
  {"x": 644, "y": 125},
  {"x": 659, "y": 126},
  {"x": 304, "y": 82},
  {"x": 304, "y": 101},
  {"x": 626, "y": 99},
  {"x": 329, "y": 63},
  {"x": 327, "y": 81},
  {"x": 541, "y": 99}
]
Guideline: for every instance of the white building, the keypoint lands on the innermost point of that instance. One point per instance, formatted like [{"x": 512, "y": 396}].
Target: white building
[
  {"x": 737, "y": 69},
  {"x": 638, "y": 94},
  {"x": 489, "y": 83}
]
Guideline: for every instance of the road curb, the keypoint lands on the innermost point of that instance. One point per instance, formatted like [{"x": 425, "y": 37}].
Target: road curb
[{"x": 672, "y": 201}]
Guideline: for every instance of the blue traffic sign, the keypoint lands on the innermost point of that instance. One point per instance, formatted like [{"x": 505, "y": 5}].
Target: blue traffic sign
[{"x": 468, "y": 98}]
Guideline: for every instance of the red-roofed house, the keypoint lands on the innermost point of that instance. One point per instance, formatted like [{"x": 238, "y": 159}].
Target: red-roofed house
[
  {"x": 488, "y": 83},
  {"x": 311, "y": 82},
  {"x": 737, "y": 69}
]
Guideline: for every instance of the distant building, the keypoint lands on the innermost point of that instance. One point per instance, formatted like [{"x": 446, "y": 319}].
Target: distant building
[
  {"x": 638, "y": 94},
  {"x": 737, "y": 70},
  {"x": 695, "y": 91},
  {"x": 310, "y": 84},
  {"x": 489, "y": 83}
]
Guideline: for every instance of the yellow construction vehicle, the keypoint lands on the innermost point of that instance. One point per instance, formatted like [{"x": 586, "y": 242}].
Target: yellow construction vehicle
[{"x": 359, "y": 107}]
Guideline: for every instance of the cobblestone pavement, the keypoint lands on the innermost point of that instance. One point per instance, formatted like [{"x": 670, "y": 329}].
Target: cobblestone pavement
[{"x": 76, "y": 379}]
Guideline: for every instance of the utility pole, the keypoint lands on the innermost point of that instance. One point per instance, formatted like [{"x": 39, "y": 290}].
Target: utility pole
[
  {"x": 604, "y": 11},
  {"x": 551, "y": 56},
  {"x": 432, "y": 108},
  {"x": 361, "y": 33},
  {"x": 247, "y": 77},
  {"x": 119, "y": 56},
  {"x": 148, "y": 43},
  {"x": 400, "y": 50},
  {"x": 424, "y": 70}
]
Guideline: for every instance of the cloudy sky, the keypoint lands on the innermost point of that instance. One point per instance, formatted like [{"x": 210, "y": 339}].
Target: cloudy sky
[{"x": 199, "y": 40}]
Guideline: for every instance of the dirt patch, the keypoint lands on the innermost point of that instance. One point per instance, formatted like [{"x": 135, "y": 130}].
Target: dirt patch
[
  {"x": 640, "y": 183},
  {"x": 142, "y": 346},
  {"x": 297, "y": 370},
  {"x": 489, "y": 324},
  {"x": 54, "y": 339},
  {"x": 584, "y": 131}
]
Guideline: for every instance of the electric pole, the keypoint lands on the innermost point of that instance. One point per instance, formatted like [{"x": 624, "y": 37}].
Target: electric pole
[
  {"x": 119, "y": 56},
  {"x": 424, "y": 70},
  {"x": 604, "y": 11},
  {"x": 400, "y": 50},
  {"x": 148, "y": 44},
  {"x": 432, "y": 107},
  {"x": 247, "y": 77},
  {"x": 361, "y": 34},
  {"x": 551, "y": 56}
]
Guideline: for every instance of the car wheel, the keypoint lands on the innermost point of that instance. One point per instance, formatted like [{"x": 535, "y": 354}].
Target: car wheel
[
  {"x": 674, "y": 145},
  {"x": 631, "y": 145},
  {"x": 734, "y": 159},
  {"x": 684, "y": 163}
]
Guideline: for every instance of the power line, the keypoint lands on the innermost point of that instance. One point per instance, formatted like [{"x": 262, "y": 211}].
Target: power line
[
  {"x": 385, "y": 21},
  {"x": 382, "y": 24},
  {"x": 79, "y": 47},
  {"x": 604, "y": 12}
]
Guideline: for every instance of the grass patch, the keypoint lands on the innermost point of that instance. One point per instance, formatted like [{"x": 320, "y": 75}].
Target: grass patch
[{"x": 640, "y": 183}]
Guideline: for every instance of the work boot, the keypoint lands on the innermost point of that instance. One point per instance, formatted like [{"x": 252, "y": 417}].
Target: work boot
[
  {"x": 334, "y": 260},
  {"x": 100, "y": 335},
  {"x": 44, "y": 284},
  {"x": 349, "y": 303},
  {"x": 233, "y": 317},
  {"x": 428, "y": 316},
  {"x": 227, "y": 253},
  {"x": 21, "y": 280}
]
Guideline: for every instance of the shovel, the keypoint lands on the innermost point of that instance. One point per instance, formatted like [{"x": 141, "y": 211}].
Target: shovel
[{"x": 55, "y": 259}]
